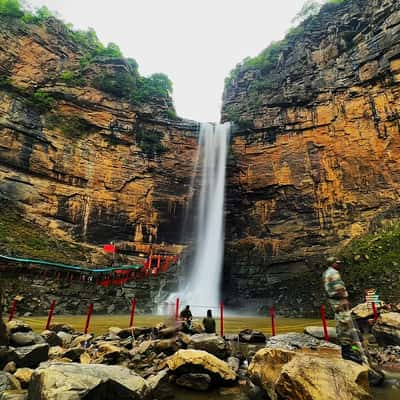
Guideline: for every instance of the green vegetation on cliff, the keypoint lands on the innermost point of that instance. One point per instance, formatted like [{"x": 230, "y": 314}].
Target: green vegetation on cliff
[
  {"x": 269, "y": 57},
  {"x": 150, "y": 142},
  {"x": 125, "y": 82},
  {"x": 374, "y": 261},
  {"x": 20, "y": 238},
  {"x": 72, "y": 126}
]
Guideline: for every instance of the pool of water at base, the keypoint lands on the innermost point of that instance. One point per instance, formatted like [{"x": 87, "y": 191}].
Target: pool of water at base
[
  {"x": 99, "y": 324},
  {"x": 233, "y": 324}
]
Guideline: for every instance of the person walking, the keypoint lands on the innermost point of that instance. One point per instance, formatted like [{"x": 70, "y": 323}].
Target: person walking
[
  {"x": 347, "y": 334},
  {"x": 209, "y": 323}
]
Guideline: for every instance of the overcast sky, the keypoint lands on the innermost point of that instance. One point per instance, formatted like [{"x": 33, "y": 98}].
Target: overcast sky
[{"x": 195, "y": 42}]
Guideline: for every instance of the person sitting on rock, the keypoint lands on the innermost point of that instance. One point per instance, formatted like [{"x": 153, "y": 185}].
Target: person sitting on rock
[
  {"x": 209, "y": 323},
  {"x": 186, "y": 317}
]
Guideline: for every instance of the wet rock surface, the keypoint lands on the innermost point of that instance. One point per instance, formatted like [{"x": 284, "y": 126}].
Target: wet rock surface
[
  {"x": 251, "y": 336},
  {"x": 212, "y": 343},
  {"x": 387, "y": 329}
]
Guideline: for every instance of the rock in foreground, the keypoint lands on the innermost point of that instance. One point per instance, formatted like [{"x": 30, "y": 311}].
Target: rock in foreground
[
  {"x": 387, "y": 329},
  {"x": 295, "y": 375},
  {"x": 198, "y": 361},
  {"x": 70, "y": 381}
]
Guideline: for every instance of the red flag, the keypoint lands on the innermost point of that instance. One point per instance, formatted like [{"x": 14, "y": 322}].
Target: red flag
[{"x": 109, "y": 248}]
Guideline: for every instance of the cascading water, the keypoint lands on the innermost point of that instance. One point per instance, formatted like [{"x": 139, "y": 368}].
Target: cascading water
[{"x": 203, "y": 287}]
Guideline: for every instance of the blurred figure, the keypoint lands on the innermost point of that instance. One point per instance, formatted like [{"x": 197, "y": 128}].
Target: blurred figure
[
  {"x": 209, "y": 323},
  {"x": 186, "y": 317},
  {"x": 348, "y": 335}
]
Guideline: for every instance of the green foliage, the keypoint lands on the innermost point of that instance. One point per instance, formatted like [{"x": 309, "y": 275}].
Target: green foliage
[
  {"x": 373, "y": 259},
  {"x": 25, "y": 239},
  {"x": 232, "y": 114},
  {"x": 120, "y": 84},
  {"x": 310, "y": 7},
  {"x": 5, "y": 81},
  {"x": 42, "y": 100},
  {"x": 71, "y": 78},
  {"x": 39, "y": 16},
  {"x": 155, "y": 86},
  {"x": 132, "y": 87},
  {"x": 128, "y": 84},
  {"x": 72, "y": 126},
  {"x": 150, "y": 142},
  {"x": 269, "y": 57},
  {"x": 112, "y": 51},
  {"x": 171, "y": 114},
  {"x": 11, "y": 8}
]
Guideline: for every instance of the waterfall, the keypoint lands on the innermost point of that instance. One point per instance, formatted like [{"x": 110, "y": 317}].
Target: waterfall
[{"x": 203, "y": 286}]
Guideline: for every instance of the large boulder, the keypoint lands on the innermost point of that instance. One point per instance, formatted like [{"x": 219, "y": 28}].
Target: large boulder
[
  {"x": 365, "y": 310},
  {"x": 300, "y": 375},
  {"x": 62, "y": 328},
  {"x": 31, "y": 356},
  {"x": 266, "y": 366},
  {"x": 52, "y": 338},
  {"x": 199, "y": 361},
  {"x": 16, "y": 325},
  {"x": 295, "y": 341},
  {"x": 318, "y": 332},
  {"x": 19, "y": 339},
  {"x": 24, "y": 376},
  {"x": 251, "y": 336},
  {"x": 7, "y": 355},
  {"x": 66, "y": 338},
  {"x": 166, "y": 346},
  {"x": 13, "y": 395},
  {"x": 71, "y": 381},
  {"x": 387, "y": 329},
  {"x": 161, "y": 386},
  {"x": 8, "y": 382},
  {"x": 210, "y": 342}
]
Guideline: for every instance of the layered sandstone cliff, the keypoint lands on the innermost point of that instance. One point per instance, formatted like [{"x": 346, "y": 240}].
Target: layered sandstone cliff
[
  {"x": 81, "y": 162},
  {"x": 316, "y": 159}
]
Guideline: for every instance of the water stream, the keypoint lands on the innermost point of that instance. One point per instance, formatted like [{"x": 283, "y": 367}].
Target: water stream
[{"x": 202, "y": 290}]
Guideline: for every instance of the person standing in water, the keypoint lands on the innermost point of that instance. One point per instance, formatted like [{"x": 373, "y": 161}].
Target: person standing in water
[{"x": 209, "y": 323}]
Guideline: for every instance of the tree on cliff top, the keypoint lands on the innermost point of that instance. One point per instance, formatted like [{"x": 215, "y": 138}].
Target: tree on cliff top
[
  {"x": 312, "y": 7},
  {"x": 128, "y": 84},
  {"x": 11, "y": 8},
  {"x": 269, "y": 57}
]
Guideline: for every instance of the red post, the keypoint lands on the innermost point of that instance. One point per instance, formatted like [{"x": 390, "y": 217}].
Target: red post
[
  {"x": 89, "y": 314},
  {"x": 177, "y": 309},
  {"x": 158, "y": 262},
  {"x": 51, "y": 311},
  {"x": 272, "y": 314},
  {"x": 133, "y": 306},
  {"x": 324, "y": 324},
  {"x": 221, "y": 306},
  {"x": 375, "y": 311},
  {"x": 12, "y": 310}
]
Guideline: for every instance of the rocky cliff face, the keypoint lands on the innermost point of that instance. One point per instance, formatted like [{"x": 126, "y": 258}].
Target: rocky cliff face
[
  {"x": 316, "y": 159},
  {"x": 81, "y": 162}
]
